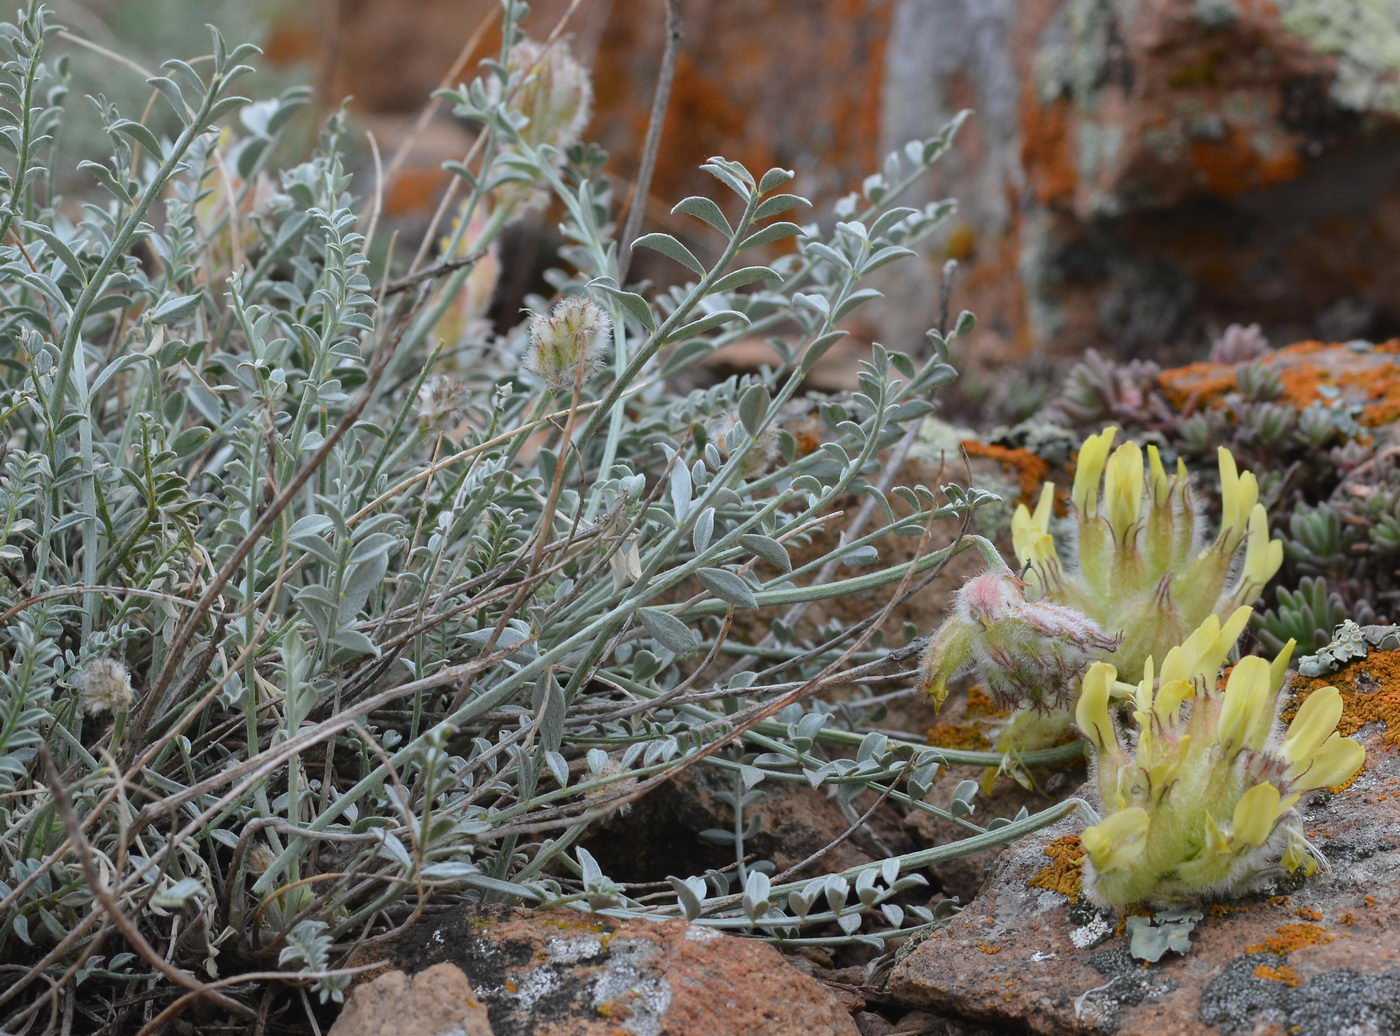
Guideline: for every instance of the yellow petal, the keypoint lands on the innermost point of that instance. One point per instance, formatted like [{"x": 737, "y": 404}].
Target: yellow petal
[
  {"x": 1255, "y": 815},
  {"x": 1229, "y": 633},
  {"x": 1246, "y": 698},
  {"x": 1117, "y": 840},
  {"x": 1158, "y": 475},
  {"x": 1297, "y": 857},
  {"x": 1262, "y": 556},
  {"x": 1336, "y": 762},
  {"x": 1169, "y": 699},
  {"x": 1023, "y": 533},
  {"x": 1278, "y": 668},
  {"x": 1122, "y": 487},
  {"x": 1089, "y": 468},
  {"x": 1315, "y": 722},
  {"x": 1030, "y": 536},
  {"x": 1091, "y": 712},
  {"x": 1044, "y": 507}
]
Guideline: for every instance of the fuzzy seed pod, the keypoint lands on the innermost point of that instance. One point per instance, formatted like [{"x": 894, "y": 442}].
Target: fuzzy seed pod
[
  {"x": 1025, "y": 653},
  {"x": 104, "y": 686},
  {"x": 567, "y": 345}
]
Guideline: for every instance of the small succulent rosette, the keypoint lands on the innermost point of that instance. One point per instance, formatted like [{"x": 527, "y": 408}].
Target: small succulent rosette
[{"x": 1201, "y": 796}]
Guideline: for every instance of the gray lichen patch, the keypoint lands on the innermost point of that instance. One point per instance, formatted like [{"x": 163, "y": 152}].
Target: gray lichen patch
[
  {"x": 1129, "y": 985},
  {"x": 1242, "y": 998},
  {"x": 629, "y": 989}
]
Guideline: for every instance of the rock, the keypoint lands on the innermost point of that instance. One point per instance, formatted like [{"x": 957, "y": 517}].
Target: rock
[
  {"x": 723, "y": 99},
  {"x": 436, "y": 1002},
  {"x": 1356, "y": 375},
  {"x": 565, "y": 973},
  {"x": 1318, "y": 957},
  {"x": 1139, "y": 171}
]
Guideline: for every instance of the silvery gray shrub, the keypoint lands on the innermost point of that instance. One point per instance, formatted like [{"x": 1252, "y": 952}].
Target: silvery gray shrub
[{"x": 318, "y": 604}]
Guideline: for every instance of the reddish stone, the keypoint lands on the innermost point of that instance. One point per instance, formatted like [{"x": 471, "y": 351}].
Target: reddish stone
[
  {"x": 437, "y": 1000},
  {"x": 565, "y": 973}
]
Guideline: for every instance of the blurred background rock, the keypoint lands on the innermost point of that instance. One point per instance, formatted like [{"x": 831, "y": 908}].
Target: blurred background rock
[{"x": 1138, "y": 174}]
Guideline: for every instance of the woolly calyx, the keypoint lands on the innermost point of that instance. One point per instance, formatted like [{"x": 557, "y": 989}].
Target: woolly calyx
[{"x": 104, "y": 685}]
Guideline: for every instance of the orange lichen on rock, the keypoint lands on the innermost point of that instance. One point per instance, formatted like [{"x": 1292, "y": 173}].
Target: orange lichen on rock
[
  {"x": 1234, "y": 164},
  {"x": 1197, "y": 384},
  {"x": 966, "y": 736},
  {"x": 988, "y": 949},
  {"x": 1370, "y": 689},
  {"x": 1047, "y": 146},
  {"x": 1291, "y": 937},
  {"x": 1308, "y": 372},
  {"x": 980, "y": 705},
  {"x": 1282, "y": 973},
  {"x": 1308, "y": 914},
  {"x": 1064, "y": 873},
  {"x": 1226, "y": 909},
  {"x": 1030, "y": 469}
]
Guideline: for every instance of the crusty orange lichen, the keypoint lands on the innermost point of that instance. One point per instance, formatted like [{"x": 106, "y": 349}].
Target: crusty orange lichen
[
  {"x": 1347, "y": 919},
  {"x": 1048, "y": 146},
  {"x": 980, "y": 705},
  {"x": 1308, "y": 914},
  {"x": 1370, "y": 689},
  {"x": 1197, "y": 384},
  {"x": 1291, "y": 937},
  {"x": 1030, "y": 469},
  {"x": 1307, "y": 372},
  {"x": 1064, "y": 873},
  {"x": 966, "y": 736},
  {"x": 988, "y": 948},
  {"x": 1225, "y": 909},
  {"x": 1282, "y": 973},
  {"x": 1235, "y": 164}
]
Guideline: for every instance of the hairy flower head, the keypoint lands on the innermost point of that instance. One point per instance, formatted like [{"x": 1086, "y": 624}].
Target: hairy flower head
[
  {"x": 552, "y": 95},
  {"x": 1024, "y": 653},
  {"x": 1142, "y": 560},
  {"x": 104, "y": 686},
  {"x": 567, "y": 345},
  {"x": 555, "y": 92},
  {"x": 1208, "y": 780}
]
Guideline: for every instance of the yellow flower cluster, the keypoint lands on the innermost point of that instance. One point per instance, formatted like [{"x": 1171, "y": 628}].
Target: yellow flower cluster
[
  {"x": 1204, "y": 802},
  {"x": 1142, "y": 562}
]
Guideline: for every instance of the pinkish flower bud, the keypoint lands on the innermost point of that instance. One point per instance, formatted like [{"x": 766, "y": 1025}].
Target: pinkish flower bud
[{"x": 1024, "y": 653}]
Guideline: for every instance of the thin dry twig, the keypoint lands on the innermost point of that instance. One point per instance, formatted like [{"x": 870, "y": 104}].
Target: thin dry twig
[
  {"x": 660, "y": 101},
  {"x": 109, "y": 903}
]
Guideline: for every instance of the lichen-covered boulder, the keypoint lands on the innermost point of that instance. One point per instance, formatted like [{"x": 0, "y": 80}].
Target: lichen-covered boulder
[
  {"x": 1359, "y": 376},
  {"x": 1140, "y": 170},
  {"x": 1311, "y": 957},
  {"x": 566, "y": 973}
]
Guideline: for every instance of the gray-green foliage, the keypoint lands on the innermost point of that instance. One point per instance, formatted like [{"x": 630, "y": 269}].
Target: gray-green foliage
[{"x": 377, "y": 656}]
